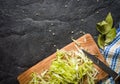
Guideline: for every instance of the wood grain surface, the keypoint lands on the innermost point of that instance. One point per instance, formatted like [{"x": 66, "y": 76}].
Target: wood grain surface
[{"x": 86, "y": 41}]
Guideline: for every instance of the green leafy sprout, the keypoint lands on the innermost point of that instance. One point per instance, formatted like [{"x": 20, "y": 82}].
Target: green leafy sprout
[
  {"x": 107, "y": 31},
  {"x": 69, "y": 67}
]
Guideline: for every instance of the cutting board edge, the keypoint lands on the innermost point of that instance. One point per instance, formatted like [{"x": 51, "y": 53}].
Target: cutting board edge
[{"x": 25, "y": 72}]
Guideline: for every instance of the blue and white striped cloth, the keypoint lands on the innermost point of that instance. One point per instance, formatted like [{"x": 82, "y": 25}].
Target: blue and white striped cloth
[{"x": 112, "y": 56}]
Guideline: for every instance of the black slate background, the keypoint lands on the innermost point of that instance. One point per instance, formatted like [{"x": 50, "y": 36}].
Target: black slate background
[{"x": 31, "y": 30}]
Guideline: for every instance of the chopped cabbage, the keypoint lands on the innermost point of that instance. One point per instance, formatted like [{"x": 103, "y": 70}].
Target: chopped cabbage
[{"x": 69, "y": 67}]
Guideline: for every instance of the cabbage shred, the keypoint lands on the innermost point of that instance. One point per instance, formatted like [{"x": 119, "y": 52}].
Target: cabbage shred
[{"x": 69, "y": 67}]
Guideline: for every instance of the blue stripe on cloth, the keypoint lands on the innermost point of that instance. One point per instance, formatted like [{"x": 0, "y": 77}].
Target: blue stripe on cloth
[
  {"x": 116, "y": 58},
  {"x": 114, "y": 61},
  {"x": 118, "y": 30},
  {"x": 111, "y": 81}
]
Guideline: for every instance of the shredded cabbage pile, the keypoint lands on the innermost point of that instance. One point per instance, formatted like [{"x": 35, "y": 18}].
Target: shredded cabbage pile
[{"x": 69, "y": 67}]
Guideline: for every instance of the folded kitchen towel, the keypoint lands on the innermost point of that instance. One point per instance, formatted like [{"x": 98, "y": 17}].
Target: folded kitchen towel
[{"x": 112, "y": 56}]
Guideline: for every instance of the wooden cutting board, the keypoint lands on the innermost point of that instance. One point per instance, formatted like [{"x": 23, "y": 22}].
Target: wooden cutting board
[{"x": 86, "y": 41}]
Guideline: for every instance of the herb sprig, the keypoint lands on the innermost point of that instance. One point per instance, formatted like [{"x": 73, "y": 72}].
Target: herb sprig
[{"x": 107, "y": 31}]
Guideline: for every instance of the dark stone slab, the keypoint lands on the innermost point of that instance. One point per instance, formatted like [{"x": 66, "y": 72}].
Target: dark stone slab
[{"x": 31, "y": 30}]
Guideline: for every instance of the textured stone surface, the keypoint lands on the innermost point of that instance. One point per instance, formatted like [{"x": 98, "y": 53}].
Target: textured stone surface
[{"x": 31, "y": 30}]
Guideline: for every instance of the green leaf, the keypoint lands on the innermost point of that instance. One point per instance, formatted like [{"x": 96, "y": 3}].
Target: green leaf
[
  {"x": 103, "y": 27},
  {"x": 110, "y": 36},
  {"x": 102, "y": 23},
  {"x": 101, "y": 41},
  {"x": 107, "y": 33},
  {"x": 109, "y": 20}
]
